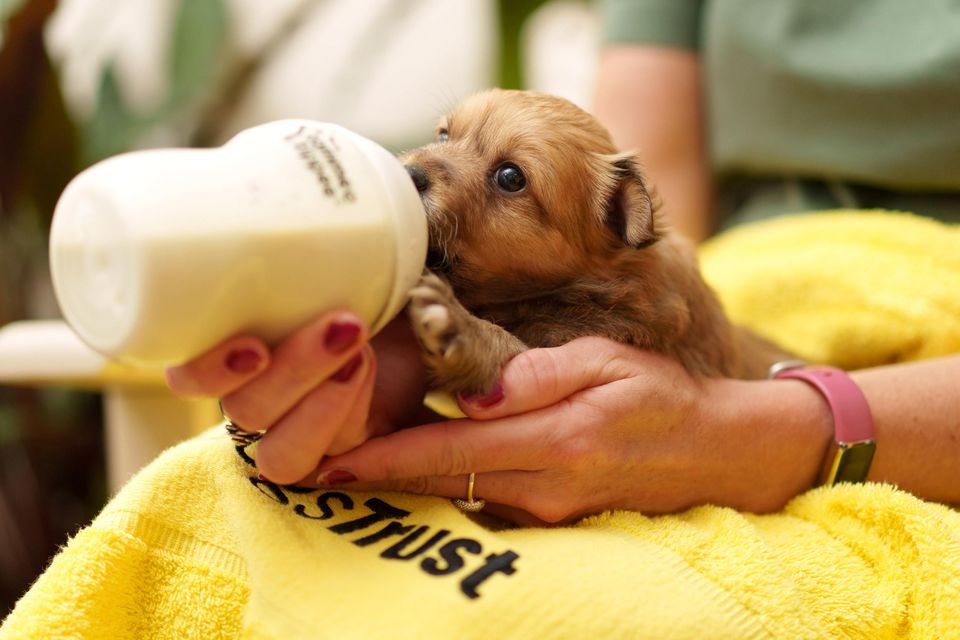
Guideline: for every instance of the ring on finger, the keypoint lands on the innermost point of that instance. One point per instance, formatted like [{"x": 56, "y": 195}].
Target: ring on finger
[
  {"x": 230, "y": 422},
  {"x": 223, "y": 413},
  {"x": 471, "y": 504},
  {"x": 239, "y": 436}
]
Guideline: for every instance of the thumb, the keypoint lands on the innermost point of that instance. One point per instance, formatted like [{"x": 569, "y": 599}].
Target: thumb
[{"x": 539, "y": 378}]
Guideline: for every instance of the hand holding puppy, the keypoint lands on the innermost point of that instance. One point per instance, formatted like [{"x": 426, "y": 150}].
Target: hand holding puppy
[
  {"x": 595, "y": 425},
  {"x": 323, "y": 390},
  {"x": 569, "y": 431}
]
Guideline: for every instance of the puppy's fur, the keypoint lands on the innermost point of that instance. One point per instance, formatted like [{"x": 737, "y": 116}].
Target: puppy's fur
[{"x": 579, "y": 250}]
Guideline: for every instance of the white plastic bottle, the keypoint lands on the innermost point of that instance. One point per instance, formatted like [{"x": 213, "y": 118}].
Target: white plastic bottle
[{"x": 156, "y": 256}]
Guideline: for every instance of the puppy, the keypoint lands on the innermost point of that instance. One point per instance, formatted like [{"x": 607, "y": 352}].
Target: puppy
[{"x": 541, "y": 232}]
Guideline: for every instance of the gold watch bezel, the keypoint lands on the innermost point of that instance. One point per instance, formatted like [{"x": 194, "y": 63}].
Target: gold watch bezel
[{"x": 851, "y": 462}]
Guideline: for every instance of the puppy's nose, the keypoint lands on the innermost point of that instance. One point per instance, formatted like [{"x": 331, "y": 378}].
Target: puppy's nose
[{"x": 419, "y": 177}]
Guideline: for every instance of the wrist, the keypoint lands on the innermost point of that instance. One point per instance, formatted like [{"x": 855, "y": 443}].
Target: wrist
[
  {"x": 851, "y": 453},
  {"x": 770, "y": 438}
]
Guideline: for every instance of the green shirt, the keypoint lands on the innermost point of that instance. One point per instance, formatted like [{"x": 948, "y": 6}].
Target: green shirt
[{"x": 836, "y": 98}]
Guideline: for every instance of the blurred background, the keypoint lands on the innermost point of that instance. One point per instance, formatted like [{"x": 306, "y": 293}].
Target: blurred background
[{"x": 84, "y": 79}]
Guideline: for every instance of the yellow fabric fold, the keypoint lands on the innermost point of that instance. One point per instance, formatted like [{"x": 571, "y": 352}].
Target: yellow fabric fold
[
  {"x": 195, "y": 546},
  {"x": 851, "y": 288}
]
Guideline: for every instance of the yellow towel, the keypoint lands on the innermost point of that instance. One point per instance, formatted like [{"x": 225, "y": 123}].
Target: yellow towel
[
  {"x": 196, "y": 547},
  {"x": 852, "y": 288}
]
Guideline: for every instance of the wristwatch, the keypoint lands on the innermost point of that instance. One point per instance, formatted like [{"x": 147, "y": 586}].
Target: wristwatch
[{"x": 854, "y": 446}]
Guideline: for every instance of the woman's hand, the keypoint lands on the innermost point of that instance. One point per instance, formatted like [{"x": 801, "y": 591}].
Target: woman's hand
[
  {"x": 596, "y": 425},
  {"x": 323, "y": 390}
]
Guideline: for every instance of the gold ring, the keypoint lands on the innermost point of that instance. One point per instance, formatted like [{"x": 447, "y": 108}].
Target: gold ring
[{"x": 470, "y": 505}]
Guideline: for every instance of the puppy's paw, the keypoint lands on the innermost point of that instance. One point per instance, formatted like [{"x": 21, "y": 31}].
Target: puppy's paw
[{"x": 438, "y": 318}]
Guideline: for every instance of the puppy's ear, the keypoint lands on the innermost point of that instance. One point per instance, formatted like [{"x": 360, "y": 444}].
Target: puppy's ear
[{"x": 629, "y": 209}]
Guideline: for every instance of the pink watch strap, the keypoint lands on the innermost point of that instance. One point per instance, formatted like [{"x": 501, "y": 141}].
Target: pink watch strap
[{"x": 851, "y": 414}]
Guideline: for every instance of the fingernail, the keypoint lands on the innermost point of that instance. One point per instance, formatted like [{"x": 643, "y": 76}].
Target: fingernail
[
  {"x": 262, "y": 477},
  {"x": 340, "y": 336},
  {"x": 243, "y": 360},
  {"x": 484, "y": 400},
  {"x": 346, "y": 372},
  {"x": 337, "y": 476}
]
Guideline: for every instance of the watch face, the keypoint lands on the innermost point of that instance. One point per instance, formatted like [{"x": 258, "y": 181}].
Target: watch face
[{"x": 853, "y": 461}]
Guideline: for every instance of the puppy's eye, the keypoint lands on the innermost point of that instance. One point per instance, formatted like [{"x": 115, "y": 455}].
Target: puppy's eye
[
  {"x": 442, "y": 135},
  {"x": 510, "y": 178}
]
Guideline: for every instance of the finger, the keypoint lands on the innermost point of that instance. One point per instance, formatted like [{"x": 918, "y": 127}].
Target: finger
[
  {"x": 518, "y": 496},
  {"x": 221, "y": 370},
  {"x": 302, "y": 361},
  {"x": 511, "y": 488},
  {"x": 539, "y": 378},
  {"x": 292, "y": 447},
  {"x": 524, "y": 497},
  {"x": 445, "y": 449},
  {"x": 356, "y": 427},
  {"x": 515, "y": 515},
  {"x": 353, "y": 432}
]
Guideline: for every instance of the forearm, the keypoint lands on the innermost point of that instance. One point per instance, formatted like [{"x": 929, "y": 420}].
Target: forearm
[
  {"x": 650, "y": 100},
  {"x": 916, "y": 411},
  {"x": 772, "y": 437},
  {"x": 766, "y": 439}
]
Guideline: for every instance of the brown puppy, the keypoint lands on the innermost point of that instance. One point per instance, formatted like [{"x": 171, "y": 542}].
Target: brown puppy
[{"x": 541, "y": 232}]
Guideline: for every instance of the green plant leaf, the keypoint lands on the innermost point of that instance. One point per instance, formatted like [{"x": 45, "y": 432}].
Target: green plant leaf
[
  {"x": 199, "y": 36},
  {"x": 113, "y": 127},
  {"x": 196, "y": 59},
  {"x": 512, "y": 15}
]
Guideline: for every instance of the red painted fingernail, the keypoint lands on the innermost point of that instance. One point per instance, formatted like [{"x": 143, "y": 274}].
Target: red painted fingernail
[
  {"x": 340, "y": 336},
  {"x": 484, "y": 400},
  {"x": 337, "y": 476},
  {"x": 260, "y": 476},
  {"x": 346, "y": 372},
  {"x": 243, "y": 360}
]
